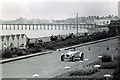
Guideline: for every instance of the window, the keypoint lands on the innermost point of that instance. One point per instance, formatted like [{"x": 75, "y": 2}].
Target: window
[{"x": 107, "y": 22}]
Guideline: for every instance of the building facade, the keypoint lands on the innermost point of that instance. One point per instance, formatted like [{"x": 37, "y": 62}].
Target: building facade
[
  {"x": 102, "y": 22},
  {"x": 13, "y": 40}
]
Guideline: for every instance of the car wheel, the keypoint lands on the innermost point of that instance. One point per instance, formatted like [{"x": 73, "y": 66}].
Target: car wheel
[
  {"x": 73, "y": 58},
  {"x": 62, "y": 58}
]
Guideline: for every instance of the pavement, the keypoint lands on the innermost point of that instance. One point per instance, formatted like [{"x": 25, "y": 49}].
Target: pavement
[{"x": 50, "y": 65}]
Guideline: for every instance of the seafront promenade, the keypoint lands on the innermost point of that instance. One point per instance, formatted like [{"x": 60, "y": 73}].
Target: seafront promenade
[
  {"x": 44, "y": 35},
  {"x": 59, "y": 40},
  {"x": 52, "y": 65},
  {"x": 55, "y": 42}
]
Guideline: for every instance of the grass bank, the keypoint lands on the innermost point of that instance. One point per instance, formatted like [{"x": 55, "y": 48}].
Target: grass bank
[{"x": 90, "y": 72}]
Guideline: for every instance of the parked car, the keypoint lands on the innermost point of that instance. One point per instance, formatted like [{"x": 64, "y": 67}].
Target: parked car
[{"x": 72, "y": 54}]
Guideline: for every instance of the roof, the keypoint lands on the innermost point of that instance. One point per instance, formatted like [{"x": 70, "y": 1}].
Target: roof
[
  {"x": 11, "y": 34},
  {"x": 105, "y": 19},
  {"x": 28, "y": 33},
  {"x": 34, "y": 33}
]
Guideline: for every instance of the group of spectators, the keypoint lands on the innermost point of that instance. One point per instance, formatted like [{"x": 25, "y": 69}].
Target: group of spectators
[
  {"x": 6, "y": 47},
  {"x": 10, "y": 47},
  {"x": 59, "y": 37}
]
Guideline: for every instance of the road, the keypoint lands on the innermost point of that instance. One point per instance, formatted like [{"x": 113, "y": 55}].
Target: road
[{"x": 49, "y": 65}]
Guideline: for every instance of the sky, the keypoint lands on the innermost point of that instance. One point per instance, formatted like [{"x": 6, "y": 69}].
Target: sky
[
  {"x": 119, "y": 9},
  {"x": 56, "y": 9}
]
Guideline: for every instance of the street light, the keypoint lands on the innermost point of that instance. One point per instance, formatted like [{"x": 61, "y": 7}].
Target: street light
[
  {"x": 89, "y": 48},
  {"x": 77, "y": 24},
  {"x": 116, "y": 48},
  {"x": 107, "y": 47}
]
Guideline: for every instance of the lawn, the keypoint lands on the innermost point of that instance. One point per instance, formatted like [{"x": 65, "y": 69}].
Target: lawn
[{"x": 88, "y": 71}]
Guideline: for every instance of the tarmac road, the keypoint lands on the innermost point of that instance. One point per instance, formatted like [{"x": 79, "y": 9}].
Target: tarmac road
[{"x": 50, "y": 65}]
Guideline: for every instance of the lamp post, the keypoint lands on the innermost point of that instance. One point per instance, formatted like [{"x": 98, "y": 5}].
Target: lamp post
[{"x": 77, "y": 24}]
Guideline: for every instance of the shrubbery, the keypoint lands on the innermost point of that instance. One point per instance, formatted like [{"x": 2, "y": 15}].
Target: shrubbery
[
  {"x": 109, "y": 65},
  {"x": 74, "y": 40},
  {"x": 20, "y": 52},
  {"x": 70, "y": 40},
  {"x": 7, "y": 53},
  {"x": 106, "y": 58},
  {"x": 88, "y": 70}
]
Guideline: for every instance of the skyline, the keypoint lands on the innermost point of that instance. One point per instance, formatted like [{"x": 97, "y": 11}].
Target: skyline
[{"x": 11, "y": 10}]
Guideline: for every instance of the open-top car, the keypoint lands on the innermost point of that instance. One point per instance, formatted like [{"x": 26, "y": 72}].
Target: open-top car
[{"x": 72, "y": 54}]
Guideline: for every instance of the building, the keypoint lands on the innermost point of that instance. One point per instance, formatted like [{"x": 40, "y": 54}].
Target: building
[
  {"x": 19, "y": 40},
  {"x": 115, "y": 26},
  {"x": 13, "y": 40},
  {"x": 105, "y": 21},
  {"x": 102, "y": 21},
  {"x": 39, "y": 39}
]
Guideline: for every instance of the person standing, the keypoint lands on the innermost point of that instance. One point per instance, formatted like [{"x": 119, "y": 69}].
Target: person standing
[
  {"x": 4, "y": 46},
  {"x": 11, "y": 46}
]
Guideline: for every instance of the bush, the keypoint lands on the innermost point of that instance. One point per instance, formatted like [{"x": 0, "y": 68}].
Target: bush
[
  {"x": 27, "y": 51},
  {"x": 88, "y": 70},
  {"x": 109, "y": 65},
  {"x": 30, "y": 45},
  {"x": 106, "y": 58},
  {"x": 51, "y": 47},
  {"x": 7, "y": 53},
  {"x": 14, "y": 55},
  {"x": 37, "y": 46},
  {"x": 38, "y": 49},
  {"x": 33, "y": 50},
  {"x": 20, "y": 52}
]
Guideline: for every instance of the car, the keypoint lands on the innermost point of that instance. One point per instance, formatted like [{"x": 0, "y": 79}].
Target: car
[{"x": 72, "y": 54}]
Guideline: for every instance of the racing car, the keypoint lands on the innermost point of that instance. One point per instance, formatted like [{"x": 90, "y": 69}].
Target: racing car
[{"x": 72, "y": 54}]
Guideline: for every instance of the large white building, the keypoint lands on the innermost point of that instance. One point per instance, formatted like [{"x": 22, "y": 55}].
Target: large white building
[
  {"x": 102, "y": 21},
  {"x": 15, "y": 40}
]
